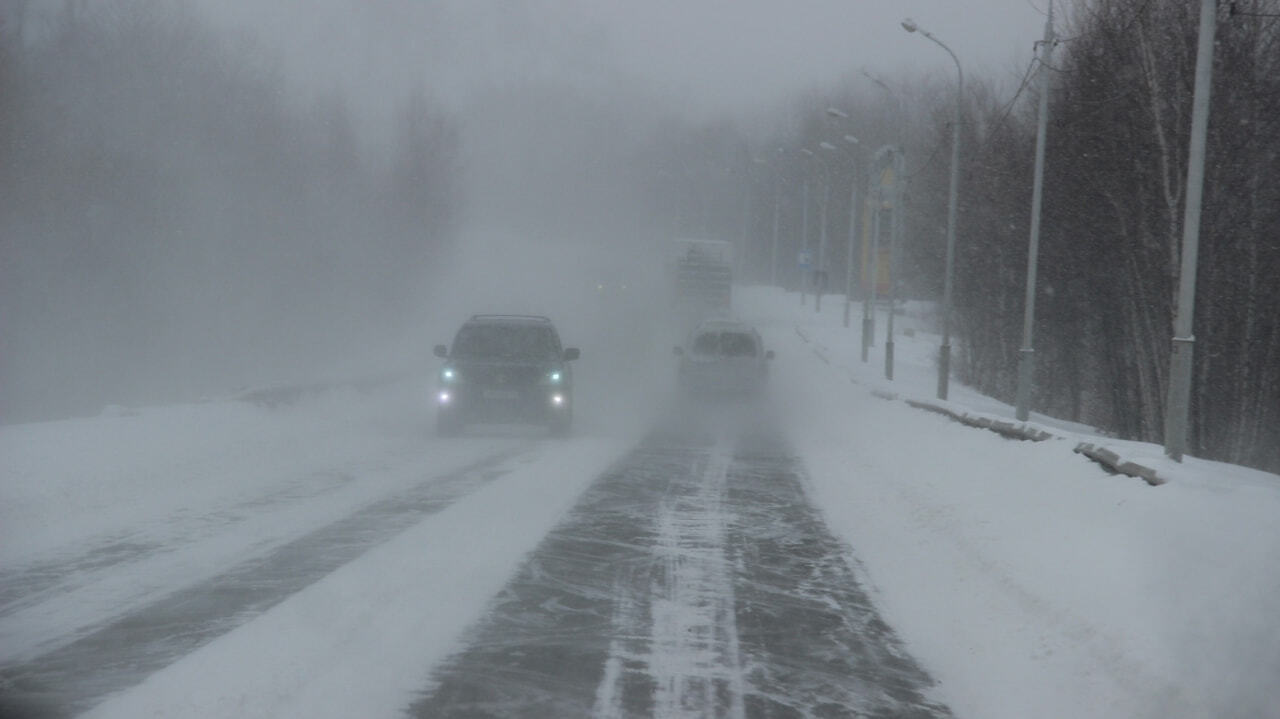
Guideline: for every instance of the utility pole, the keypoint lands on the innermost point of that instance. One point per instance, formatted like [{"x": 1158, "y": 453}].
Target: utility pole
[
  {"x": 1179, "y": 402},
  {"x": 1026, "y": 355}
]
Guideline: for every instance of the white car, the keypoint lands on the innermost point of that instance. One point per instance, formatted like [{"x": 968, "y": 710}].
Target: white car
[{"x": 723, "y": 357}]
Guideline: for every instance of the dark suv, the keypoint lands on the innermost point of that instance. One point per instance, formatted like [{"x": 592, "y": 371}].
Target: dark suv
[{"x": 505, "y": 368}]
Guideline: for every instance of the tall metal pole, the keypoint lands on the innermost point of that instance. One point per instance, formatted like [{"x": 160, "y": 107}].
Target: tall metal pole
[
  {"x": 773, "y": 249},
  {"x": 1179, "y": 402},
  {"x": 877, "y": 214},
  {"x": 895, "y": 238},
  {"x": 944, "y": 352},
  {"x": 848, "y": 275},
  {"x": 804, "y": 230},
  {"x": 853, "y": 236},
  {"x": 1026, "y": 355},
  {"x": 853, "y": 210},
  {"x": 819, "y": 274},
  {"x": 744, "y": 255},
  {"x": 868, "y": 279},
  {"x": 895, "y": 229}
]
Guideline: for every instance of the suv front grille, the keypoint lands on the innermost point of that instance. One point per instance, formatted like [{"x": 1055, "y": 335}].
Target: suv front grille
[{"x": 503, "y": 376}]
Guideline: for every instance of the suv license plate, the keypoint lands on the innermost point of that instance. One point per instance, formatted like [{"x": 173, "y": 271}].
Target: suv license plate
[{"x": 501, "y": 394}]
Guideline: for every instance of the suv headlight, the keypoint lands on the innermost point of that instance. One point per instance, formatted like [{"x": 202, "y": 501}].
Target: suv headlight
[
  {"x": 555, "y": 377},
  {"x": 448, "y": 374}
]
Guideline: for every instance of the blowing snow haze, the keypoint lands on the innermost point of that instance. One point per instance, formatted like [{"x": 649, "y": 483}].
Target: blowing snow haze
[
  {"x": 575, "y": 358},
  {"x": 224, "y": 194}
]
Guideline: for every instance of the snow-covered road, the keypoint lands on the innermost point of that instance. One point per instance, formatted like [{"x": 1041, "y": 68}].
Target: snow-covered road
[
  {"x": 826, "y": 550},
  {"x": 694, "y": 579}
]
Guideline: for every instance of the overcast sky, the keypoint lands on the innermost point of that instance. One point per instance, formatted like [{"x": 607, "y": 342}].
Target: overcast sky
[
  {"x": 705, "y": 56},
  {"x": 550, "y": 92}
]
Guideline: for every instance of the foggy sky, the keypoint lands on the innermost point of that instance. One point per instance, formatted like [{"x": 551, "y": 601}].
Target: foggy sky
[
  {"x": 564, "y": 86},
  {"x": 555, "y": 102},
  {"x": 701, "y": 56}
]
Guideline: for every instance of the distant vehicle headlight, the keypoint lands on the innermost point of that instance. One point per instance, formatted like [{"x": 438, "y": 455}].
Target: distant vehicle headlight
[
  {"x": 448, "y": 374},
  {"x": 555, "y": 377},
  {"x": 557, "y": 400},
  {"x": 445, "y": 397}
]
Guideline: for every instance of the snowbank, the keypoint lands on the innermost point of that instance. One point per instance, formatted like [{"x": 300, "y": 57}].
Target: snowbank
[{"x": 1029, "y": 581}]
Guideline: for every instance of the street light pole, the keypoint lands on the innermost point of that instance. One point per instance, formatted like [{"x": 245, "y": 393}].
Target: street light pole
[
  {"x": 895, "y": 229},
  {"x": 875, "y": 194},
  {"x": 742, "y": 258},
  {"x": 777, "y": 200},
  {"x": 804, "y": 230},
  {"x": 1179, "y": 403},
  {"x": 820, "y": 275},
  {"x": 944, "y": 353},
  {"x": 853, "y": 237},
  {"x": 822, "y": 230},
  {"x": 895, "y": 239},
  {"x": 853, "y": 210},
  {"x": 1026, "y": 355},
  {"x": 867, "y": 322}
]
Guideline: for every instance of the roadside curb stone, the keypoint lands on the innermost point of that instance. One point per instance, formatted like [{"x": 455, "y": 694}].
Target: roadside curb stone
[{"x": 1106, "y": 458}]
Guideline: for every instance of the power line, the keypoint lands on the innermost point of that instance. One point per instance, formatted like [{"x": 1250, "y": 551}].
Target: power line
[
  {"x": 1026, "y": 76},
  {"x": 1123, "y": 30},
  {"x": 1004, "y": 115}
]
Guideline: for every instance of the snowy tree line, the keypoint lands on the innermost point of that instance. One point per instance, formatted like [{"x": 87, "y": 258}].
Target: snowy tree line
[
  {"x": 172, "y": 214},
  {"x": 1116, "y": 170},
  {"x": 1121, "y": 84}
]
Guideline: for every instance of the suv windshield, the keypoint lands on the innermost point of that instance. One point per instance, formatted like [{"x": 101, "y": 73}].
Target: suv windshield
[{"x": 496, "y": 341}]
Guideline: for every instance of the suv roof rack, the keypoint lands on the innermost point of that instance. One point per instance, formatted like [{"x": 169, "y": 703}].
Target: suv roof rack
[{"x": 535, "y": 318}]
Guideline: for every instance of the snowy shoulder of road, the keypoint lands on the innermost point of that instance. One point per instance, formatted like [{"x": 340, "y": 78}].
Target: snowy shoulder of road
[
  {"x": 102, "y": 515},
  {"x": 362, "y": 640},
  {"x": 73, "y": 482},
  {"x": 1027, "y": 580}
]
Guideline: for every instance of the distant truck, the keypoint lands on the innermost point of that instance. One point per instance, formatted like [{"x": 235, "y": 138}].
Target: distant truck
[{"x": 701, "y": 276}]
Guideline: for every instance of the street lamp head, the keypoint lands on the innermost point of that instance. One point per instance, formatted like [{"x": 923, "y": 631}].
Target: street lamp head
[
  {"x": 876, "y": 80},
  {"x": 826, "y": 145},
  {"x": 837, "y": 112},
  {"x": 851, "y": 139},
  {"x": 910, "y": 25}
]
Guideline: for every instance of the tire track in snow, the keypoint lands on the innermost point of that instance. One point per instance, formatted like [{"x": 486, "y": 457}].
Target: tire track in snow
[
  {"x": 27, "y": 586},
  {"x": 545, "y": 644},
  {"x": 691, "y": 658},
  {"x": 74, "y": 675},
  {"x": 812, "y": 642},
  {"x": 695, "y": 579}
]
